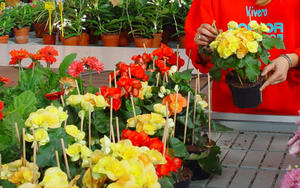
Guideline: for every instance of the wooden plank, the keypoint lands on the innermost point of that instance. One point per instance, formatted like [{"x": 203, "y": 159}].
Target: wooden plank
[
  {"x": 253, "y": 159},
  {"x": 290, "y": 160},
  {"x": 264, "y": 179},
  {"x": 227, "y": 139},
  {"x": 243, "y": 141},
  {"x": 261, "y": 142},
  {"x": 272, "y": 160},
  {"x": 223, "y": 180},
  {"x": 243, "y": 178},
  {"x": 234, "y": 158},
  {"x": 279, "y": 143},
  {"x": 278, "y": 180}
]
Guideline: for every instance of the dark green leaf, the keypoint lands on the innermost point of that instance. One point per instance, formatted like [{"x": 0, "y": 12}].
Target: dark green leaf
[
  {"x": 178, "y": 147},
  {"x": 165, "y": 182},
  {"x": 25, "y": 103},
  {"x": 270, "y": 43},
  {"x": 62, "y": 70},
  {"x": 211, "y": 164}
]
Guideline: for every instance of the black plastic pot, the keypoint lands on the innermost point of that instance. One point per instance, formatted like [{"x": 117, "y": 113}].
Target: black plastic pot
[
  {"x": 198, "y": 172},
  {"x": 183, "y": 184},
  {"x": 184, "y": 179},
  {"x": 245, "y": 97}
]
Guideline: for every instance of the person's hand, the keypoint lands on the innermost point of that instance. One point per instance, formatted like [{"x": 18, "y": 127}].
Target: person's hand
[
  {"x": 278, "y": 69},
  {"x": 205, "y": 34}
]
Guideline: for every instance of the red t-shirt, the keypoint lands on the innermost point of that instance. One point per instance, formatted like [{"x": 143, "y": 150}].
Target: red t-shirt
[{"x": 283, "y": 19}]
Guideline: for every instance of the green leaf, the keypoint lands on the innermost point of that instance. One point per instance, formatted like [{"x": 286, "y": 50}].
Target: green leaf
[
  {"x": 178, "y": 147},
  {"x": 194, "y": 156},
  {"x": 252, "y": 71},
  {"x": 216, "y": 73},
  {"x": 165, "y": 182},
  {"x": 65, "y": 64},
  {"x": 100, "y": 121},
  {"x": 219, "y": 127},
  {"x": 211, "y": 164},
  {"x": 270, "y": 43},
  {"x": 7, "y": 184},
  {"x": 185, "y": 76},
  {"x": 25, "y": 103}
]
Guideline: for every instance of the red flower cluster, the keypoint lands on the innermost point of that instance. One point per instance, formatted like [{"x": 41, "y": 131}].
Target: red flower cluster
[
  {"x": 166, "y": 56},
  {"x": 91, "y": 63},
  {"x": 17, "y": 56},
  {"x": 131, "y": 86},
  {"x": 114, "y": 93},
  {"x": 48, "y": 54},
  {"x": 54, "y": 95},
  {"x": 142, "y": 139},
  {"x": 4, "y": 80},
  {"x": 142, "y": 59},
  {"x": 1, "y": 108}
]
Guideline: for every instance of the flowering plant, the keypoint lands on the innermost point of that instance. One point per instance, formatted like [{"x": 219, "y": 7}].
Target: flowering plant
[{"x": 239, "y": 51}]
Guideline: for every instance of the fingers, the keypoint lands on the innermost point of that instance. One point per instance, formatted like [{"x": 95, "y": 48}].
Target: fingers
[
  {"x": 276, "y": 78},
  {"x": 205, "y": 34},
  {"x": 267, "y": 69}
]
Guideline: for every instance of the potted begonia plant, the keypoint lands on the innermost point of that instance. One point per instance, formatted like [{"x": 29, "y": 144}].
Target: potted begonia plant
[
  {"x": 23, "y": 17},
  {"x": 240, "y": 52}
]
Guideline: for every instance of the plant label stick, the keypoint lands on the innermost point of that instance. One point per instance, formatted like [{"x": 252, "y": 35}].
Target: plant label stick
[
  {"x": 111, "y": 121},
  {"x": 61, "y": 7},
  {"x": 24, "y": 148},
  {"x": 188, "y": 63},
  {"x": 199, "y": 83},
  {"x": 81, "y": 122},
  {"x": 17, "y": 133},
  {"x": 186, "y": 117},
  {"x": 57, "y": 159},
  {"x": 157, "y": 78},
  {"x": 118, "y": 128},
  {"x": 115, "y": 77},
  {"x": 166, "y": 130},
  {"x": 65, "y": 157},
  {"x": 90, "y": 131},
  {"x": 195, "y": 109},
  {"x": 77, "y": 87},
  {"x": 209, "y": 109},
  {"x": 62, "y": 101}
]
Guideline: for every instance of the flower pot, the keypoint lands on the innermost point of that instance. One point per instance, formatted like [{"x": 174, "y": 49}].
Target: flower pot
[
  {"x": 157, "y": 37},
  {"x": 4, "y": 39},
  {"x": 198, "y": 172},
  {"x": 12, "y": 2},
  {"x": 110, "y": 39},
  {"x": 246, "y": 96},
  {"x": 40, "y": 29},
  {"x": 49, "y": 39},
  {"x": 21, "y": 35},
  {"x": 139, "y": 42},
  {"x": 185, "y": 179},
  {"x": 71, "y": 41},
  {"x": 94, "y": 39},
  {"x": 84, "y": 39},
  {"x": 182, "y": 41},
  {"x": 124, "y": 38}
]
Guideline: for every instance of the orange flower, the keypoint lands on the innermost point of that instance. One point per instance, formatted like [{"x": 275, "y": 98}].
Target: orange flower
[
  {"x": 48, "y": 53},
  {"x": 17, "y": 56},
  {"x": 171, "y": 99}
]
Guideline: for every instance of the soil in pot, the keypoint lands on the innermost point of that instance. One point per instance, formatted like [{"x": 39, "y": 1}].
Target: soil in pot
[
  {"x": 71, "y": 41},
  {"x": 182, "y": 41},
  {"x": 139, "y": 42},
  {"x": 21, "y": 35},
  {"x": 247, "y": 95},
  {"x": 84, "y": 39},
  {"x": 110, "y": 39},
  {"x": 124, "y": 38},
  {"x": 49, "y": 39},
  {"x": 156, "y": 42},
  {"x": 185, "y": 178},
  {"x": 40, "y": 29},
  {"x": 4, "y": 39}
]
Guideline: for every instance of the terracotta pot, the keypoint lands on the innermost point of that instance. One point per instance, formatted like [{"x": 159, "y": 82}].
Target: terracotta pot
[
  {"x": 139, "y": 42},
  {"x": 94, "y": 39},
  {"x": 4, "y": 39},
  {"x": 110, "y": 39},
  {"x": 157, "y": 37},
  {"x": 71, "y": 41},
  {"x": 182, "y": 41},
  {"x": 49, "y": 39},
  {"x": 124, "y": 38},
  {"x": 12, "y": 2},
  {"x": 21, "y": 35},
  {"x": 84, "y": 39},
  {"x": 40, "y": 29}
]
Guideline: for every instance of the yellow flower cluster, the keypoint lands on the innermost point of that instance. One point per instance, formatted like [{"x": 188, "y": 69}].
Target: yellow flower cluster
[
  {"x": 41, "y": 136},
  {"x": 73, "y": 131},
  {"x": 160, "y": 109},
  {"x": 146, "y": 91},
  {"x": 54, "y": 177},
  {"x": 50, "y": 117},
  {"x": 127, "y": 165},
  {"x": 18, "y": 174},
  {"x": 239, "y": 41},
  {"x": 149, "y": 123},
  {"x": 84, "y": 101}
]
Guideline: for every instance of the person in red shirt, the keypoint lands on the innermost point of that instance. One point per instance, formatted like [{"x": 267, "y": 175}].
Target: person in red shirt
[{"x": 281, "y": 90}]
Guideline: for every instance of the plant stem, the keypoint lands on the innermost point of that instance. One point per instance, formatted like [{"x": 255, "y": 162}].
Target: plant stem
[
  {"x": 33, "y": 68},
  {"x": 175, "y": 23},
  {"x": 130, "y": 24},
  {"x": 48, "y": 65},
  {"x": 19, "y": 71},
  {"x": 90, "y": 78},
  {"x": 240, "y": 79}
]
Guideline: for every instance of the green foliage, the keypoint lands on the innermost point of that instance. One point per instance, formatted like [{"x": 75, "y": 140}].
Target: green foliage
[
  {"x": 25, "y": 103},
  {"x": 63, "y": 67},
  {"x": 7, "y": 184},
  {"x": 211, "y": 164},
  {"x": 22, "y": 15},
  {"x": 178, "y": 147},
  {"x": 6, "y": 23},
  {"x": 165, "y": 182}
]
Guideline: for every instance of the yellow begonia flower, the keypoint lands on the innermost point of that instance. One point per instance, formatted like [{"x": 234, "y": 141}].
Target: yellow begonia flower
[
  {"x": 257, "y": 36},
  {"x": 214, "y": 44},
  {"x": 146, "y": 91},
  {"x": 96, "y": 101},
  {"x": 264, "y": 28},
  {"x": 156, "y": 157},
  {"x": 110, "y": 166},
  {"x": 160, "y": 109},
  {"x": 202, "y": 103},
  {"x": 54, "y": 177},
  {"x": 41, "y": 136},
  {"x": 74, "y": 100},
  {"x": 24, "y": 174},
  {"x": 254, "y": 25},
  {"x": 29, "y": 185},
  {"x": 87, "y": 180},
  {"x": 126, "y": 181},
  {"x": 151, "y": 177},
  {"x": 105, "y": 145},
  {"x": 73, "y": 131},
  {"x": 74, "y": 151},
  {"x": 233, "y": 25},
  {"x": 252, "y": 46},
  {"x": 242, "y": 51},
  {"x": 59, "y": 112}
]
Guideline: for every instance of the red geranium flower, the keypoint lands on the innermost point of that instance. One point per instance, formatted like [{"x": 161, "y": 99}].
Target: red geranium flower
[
  {"x": 4, "y": 80},
  {"x": 93, "y": 63},
  {"x": 17, "y": 56},
  {"x": 54, "y": 95},
  {"x": 48, "y": 54},
  {"x": 76, "y": 68}
]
